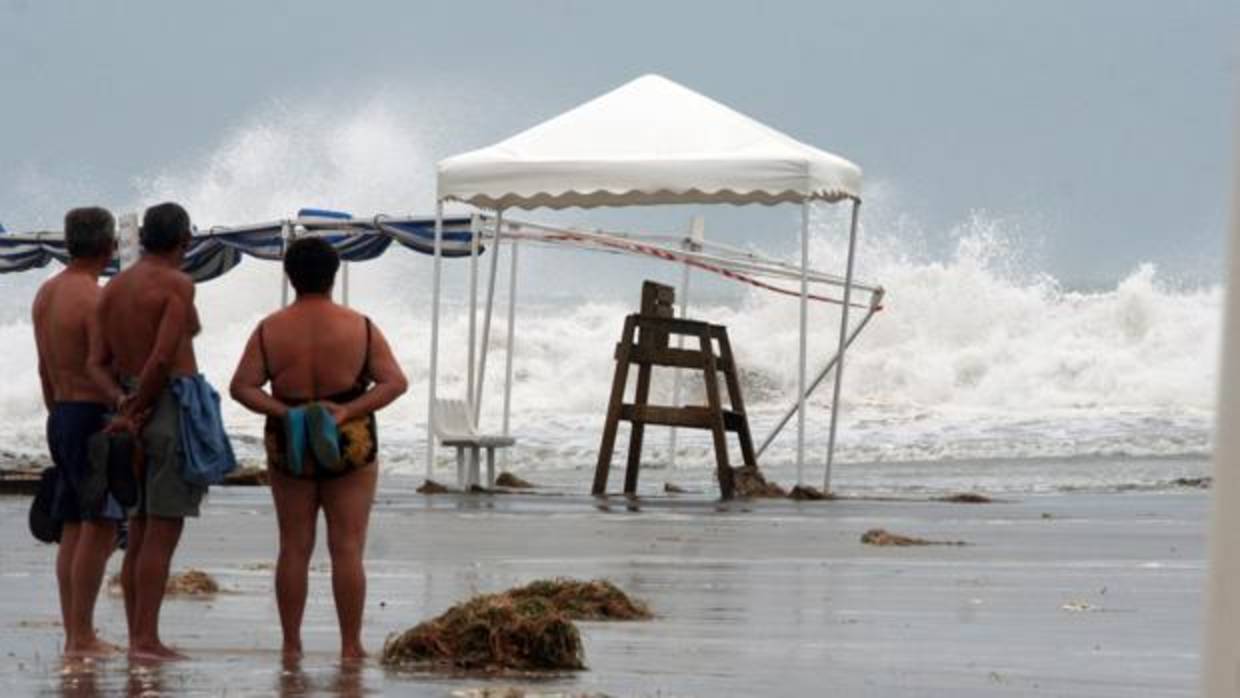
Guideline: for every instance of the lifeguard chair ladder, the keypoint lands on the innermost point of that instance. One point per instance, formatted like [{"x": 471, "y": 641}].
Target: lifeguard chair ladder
[{"x": 655, "y": 323}]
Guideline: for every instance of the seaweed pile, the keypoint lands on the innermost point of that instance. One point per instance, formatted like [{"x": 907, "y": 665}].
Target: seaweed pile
[
  {"x": 507, "y": 479},
  {"x": 597, "y": 599},
  {"x": 526, "y": 629},
  {"x": 490, "y": 633},
  {"x": 882, "y": 537}
]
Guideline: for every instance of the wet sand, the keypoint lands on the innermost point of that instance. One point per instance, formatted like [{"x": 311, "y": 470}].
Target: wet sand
[{"x": 1064, "y": 595}]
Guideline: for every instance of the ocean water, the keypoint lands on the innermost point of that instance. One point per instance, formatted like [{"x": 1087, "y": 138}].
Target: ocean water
[{"x": 981, "y": 372}]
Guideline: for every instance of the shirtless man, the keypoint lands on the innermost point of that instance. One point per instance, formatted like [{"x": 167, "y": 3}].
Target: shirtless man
[
  {"x": 63, "y": 313},
  {"x": 147, "y": 322}
]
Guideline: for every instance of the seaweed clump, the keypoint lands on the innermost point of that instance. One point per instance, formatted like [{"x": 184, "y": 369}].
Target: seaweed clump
[
  {"x": 750, "y": 482},
  {"x": 881, "y": 537},
  {"x": 192, "y": 582},
  {"x": 507, "y": 479},
  {"x": 432, "y": 487},
  {"x": 966, "y": 498},
  {"x": 597, "y": 599},
  {"x": 491, "y": 633}
]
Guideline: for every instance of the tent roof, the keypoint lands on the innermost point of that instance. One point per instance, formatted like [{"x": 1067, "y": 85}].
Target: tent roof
[{"x": 650, "y": 141}]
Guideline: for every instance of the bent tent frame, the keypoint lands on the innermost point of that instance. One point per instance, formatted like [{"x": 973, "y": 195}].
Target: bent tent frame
[{"x": 692, "y": 251}]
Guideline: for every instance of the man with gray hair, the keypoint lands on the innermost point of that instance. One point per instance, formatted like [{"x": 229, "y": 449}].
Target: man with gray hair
[{"x": 63, "y": 317}]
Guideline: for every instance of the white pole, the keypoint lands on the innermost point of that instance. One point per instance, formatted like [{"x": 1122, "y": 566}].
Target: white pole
[
  {"x": 434, "y": 367},
  {"x": 839, "y": 366},
  {"x": 1222, "y": 651},
  {"x": 473, "y": 308},
  {"x": 512, "y": 320},
  {"x": 344, "y": 284},
  {"x": 696, "y": 232},
  {"x": 803, "y": 347},
  {"x": 286, "y": 231},
  {"x": 129, "y": 247},
  {"x": 486, "y": 318}
]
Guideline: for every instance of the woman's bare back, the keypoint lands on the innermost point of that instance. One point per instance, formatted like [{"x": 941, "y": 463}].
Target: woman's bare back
[{"x": 314, "y": 348}]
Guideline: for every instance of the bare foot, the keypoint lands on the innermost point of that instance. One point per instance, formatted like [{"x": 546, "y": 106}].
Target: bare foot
[
  {"x": 94, "y": 649},
  {"x": 353, "y": 655},
  {"x": 156, "y": 652}
]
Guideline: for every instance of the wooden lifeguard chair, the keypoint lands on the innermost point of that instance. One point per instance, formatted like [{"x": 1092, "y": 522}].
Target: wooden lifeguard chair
[{"x": 655, "y": 323}]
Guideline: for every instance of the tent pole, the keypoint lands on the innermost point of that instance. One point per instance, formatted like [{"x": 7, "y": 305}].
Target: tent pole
[
  {"x": 486, "y": 317},
  {"x": 696, "y": 225},
  {"x": 344, "y": 284},
  {"x": 512, "y": 318},
  {"x": 1222, "y": 639},
  {"x": 434, "y": 367},
  {"x": 473, "y": 308},
  {"x": 285, "y": 232},
  {"x": 801, "y": 356},
  {"x": 813, "y": 385},
  {"x": 839, "y": 366}
]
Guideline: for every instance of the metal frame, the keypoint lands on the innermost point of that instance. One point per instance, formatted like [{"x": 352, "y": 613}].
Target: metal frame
[{"x": 722, "y": 258}]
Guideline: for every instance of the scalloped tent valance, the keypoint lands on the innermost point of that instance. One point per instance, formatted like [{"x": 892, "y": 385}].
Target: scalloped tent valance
[{"x": 650, "y": 141}]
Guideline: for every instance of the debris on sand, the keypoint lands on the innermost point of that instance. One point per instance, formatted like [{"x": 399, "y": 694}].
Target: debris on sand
[
  {"x": 432, "y": 487},
  {"x": 1077, "y": 607},
  {"x": 248, "y": 476},
  {"x": 514, "y": 692},
  {"x": 750, "y": 482},
  {"x": 192, "y": 582},
  {"x": 966, "y": 498},
  {"x": 507, "y": 479},
  {"x": 1202, "y": 483},
  {"x": 669, "y": 488},
  {"x": 491, "y": 633},
  {"x": 596, "y": 599},
  {"x": 881, "y": 537},
  {"x": 528, "y": 628},
  {"x": 805, "y": 493}
]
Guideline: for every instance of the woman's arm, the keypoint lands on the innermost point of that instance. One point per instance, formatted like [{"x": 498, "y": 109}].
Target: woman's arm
[
  {"x": 248, "y": 381},
  {"x": 390, "y": 382}
]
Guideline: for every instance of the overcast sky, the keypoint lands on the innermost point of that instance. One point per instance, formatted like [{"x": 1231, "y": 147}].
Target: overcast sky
[{"x": 1100, "y": 128}]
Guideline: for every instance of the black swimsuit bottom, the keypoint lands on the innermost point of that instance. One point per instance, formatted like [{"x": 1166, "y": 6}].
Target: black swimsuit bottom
[{"x": 359, "y": 437}]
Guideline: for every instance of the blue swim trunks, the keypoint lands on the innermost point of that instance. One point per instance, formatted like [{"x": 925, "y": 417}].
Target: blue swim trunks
[{"x": 69, "y": 428}]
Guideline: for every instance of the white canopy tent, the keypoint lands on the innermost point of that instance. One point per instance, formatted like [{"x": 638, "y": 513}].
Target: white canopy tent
[{"x": 650, "y": 141}]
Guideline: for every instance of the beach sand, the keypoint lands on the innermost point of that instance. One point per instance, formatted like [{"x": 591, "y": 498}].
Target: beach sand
[{"x": 1064, "y": 595}]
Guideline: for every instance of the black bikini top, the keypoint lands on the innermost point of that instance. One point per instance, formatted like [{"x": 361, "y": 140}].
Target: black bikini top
[{"x": 360, "y": 384}]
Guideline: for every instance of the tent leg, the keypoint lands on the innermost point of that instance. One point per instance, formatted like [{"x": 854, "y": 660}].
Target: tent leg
[
  {"x": 474, "y": 228},
  {"x": 1222, "y": 637},
  {"x": 826, "y": 370},
  {"x": 512, "y": 319},
  {"x": 344, "y": 284},
  {"x": 801, "y": 356},
  {"x": 434, "y": 367},
  {"x": 486, "y": 319},
  {"x": 285, "y": 232},
  {"x": 839, "y": 366},
  {"x": 680, "y": 344}
]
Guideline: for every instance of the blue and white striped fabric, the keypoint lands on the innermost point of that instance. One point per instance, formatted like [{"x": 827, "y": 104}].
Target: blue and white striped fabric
[
  {"x": 219, "y": 250},
  {"x": 417, "y": 234}
]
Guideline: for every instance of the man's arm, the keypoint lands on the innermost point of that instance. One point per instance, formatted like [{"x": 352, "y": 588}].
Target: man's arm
[
  {"x": 99, "y": 358},
  {"x": 173, "y": 325},
  {"x": 37, "y": 311}
]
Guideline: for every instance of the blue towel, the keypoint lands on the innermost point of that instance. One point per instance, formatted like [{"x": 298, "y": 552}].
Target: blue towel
[{"x": 207, "y": 454}]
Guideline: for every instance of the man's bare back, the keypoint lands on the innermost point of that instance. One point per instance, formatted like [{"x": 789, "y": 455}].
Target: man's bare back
[
  {"x": 148, "y": 322},
  {"x": 62, "y": 314}
]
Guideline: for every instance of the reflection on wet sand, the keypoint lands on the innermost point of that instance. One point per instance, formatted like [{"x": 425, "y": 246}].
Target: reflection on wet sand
[{"x": 346, "y": 679}]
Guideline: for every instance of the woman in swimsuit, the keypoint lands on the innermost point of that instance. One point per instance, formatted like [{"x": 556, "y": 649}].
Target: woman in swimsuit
[{"x": 316, "y": 351}]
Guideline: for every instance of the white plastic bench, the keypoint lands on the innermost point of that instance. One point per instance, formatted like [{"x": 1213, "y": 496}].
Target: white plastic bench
[{"x": 454, "y": 425}]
